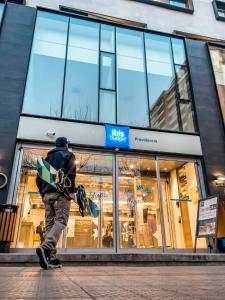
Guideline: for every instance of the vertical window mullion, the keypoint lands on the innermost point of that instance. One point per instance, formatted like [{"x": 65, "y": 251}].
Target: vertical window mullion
[
  {"x": 99, "y": 70},
  {"x": 65, "y": 65},
  {"x": 116, "y": 85},
  {"x": 146, "y": 75}
]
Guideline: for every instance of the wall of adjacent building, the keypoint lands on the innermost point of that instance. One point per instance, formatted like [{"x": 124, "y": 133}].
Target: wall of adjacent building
[{"x": 202, "y": 21}]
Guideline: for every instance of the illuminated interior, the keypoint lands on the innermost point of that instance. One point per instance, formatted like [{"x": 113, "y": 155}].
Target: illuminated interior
[{"x": 138, "y": 206}]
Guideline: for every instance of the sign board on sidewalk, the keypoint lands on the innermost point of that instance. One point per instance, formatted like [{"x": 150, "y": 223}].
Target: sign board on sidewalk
[
  {"x": 207, "y": 220},
  {"x": 207, "y": 217}
]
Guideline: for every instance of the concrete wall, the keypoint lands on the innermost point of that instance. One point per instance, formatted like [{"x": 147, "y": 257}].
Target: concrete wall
[{"x": 202, "y": 22}]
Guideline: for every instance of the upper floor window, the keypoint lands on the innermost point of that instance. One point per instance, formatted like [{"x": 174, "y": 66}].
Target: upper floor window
[
  {"x": 88, "y": 71},
  {"x": 218, "y": 61},
  {"x": 219, "y": 9},
  {"x": 1, "y": 11},
  {"x": 180, "y": 5}
]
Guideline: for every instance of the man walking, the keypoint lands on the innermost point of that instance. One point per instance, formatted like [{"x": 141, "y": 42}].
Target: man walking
[{"x": 57, "y": 205}]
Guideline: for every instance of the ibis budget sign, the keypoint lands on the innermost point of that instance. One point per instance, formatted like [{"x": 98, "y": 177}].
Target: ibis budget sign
[{"x": 117, "y": 137}]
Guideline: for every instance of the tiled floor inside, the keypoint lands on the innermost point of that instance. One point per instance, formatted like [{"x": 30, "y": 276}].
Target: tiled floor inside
[{"x": 113, "y": 282}]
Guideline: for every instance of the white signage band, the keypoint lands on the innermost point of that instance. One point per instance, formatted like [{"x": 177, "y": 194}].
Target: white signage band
[{"x": 39, "y": 129}]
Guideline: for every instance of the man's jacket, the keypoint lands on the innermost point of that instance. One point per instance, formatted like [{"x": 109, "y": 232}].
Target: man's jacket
[{"x": 59, "y": 158}]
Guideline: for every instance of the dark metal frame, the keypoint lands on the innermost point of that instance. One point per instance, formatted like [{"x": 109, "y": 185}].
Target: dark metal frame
[
  {"x": 189, "y": 10},
  {"x": 114, "y": 25}
]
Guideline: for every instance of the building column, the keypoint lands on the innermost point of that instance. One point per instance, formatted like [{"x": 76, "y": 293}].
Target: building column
[{"x": 16, "y": 35}]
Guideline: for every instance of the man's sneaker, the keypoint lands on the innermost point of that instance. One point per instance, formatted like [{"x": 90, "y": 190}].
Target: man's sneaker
[
  {"x": 43, "y": 255},
  {"x": 54, "y": 263}
]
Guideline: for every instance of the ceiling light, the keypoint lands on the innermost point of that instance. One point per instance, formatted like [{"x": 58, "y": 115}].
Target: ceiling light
[{"x": 221, "y": 178}]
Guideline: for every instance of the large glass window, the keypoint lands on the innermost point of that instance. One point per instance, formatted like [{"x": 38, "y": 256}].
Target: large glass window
[
  {"x": 218, "y": 62},
  {"x": 154, "y": 201},
  {"x": 1, "y": 11},
  {"x": 84, "y": 70},
  {"x": 168, "y": 81},
  {"x": 132, "y": 85},
  {"x": 95, "y": 173},
  {"x": 161, "y": 82},
  {"x": 44, "y": 88},
  {"x": 81, "y": 82}
]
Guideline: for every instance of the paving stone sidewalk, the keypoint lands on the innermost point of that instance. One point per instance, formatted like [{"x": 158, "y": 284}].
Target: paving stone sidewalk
[{"x": 113, "y": 282}]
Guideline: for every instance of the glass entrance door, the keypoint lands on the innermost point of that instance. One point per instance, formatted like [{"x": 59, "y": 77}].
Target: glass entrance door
[
  {"x": 180, "y": 196},
  {"x": 138, "y": 203},
  {"x": 148, "y": 202},
  {"x": 95, "y": 173}
]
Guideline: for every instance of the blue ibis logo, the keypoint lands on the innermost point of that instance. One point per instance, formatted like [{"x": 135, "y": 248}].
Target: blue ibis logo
[{"x": 117, "y": 137}]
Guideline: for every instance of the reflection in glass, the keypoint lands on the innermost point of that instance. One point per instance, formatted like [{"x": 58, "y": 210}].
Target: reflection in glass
[
  {"x": 1, "y": 11},
  {"x": 218, "y": 62},
  {"x": 183, "y": 83},
  {"x": 132, "y": 86},
  {"x": 107, "y": 113},
  {"x": 139, "y": 212},
  {"x": 81, "y": 82},
  {"x": 178, "y": 51},
  {"x": 179, "y": 3},
  {"x": 161, "y": 82},
  {"x": 43, "y": 94},
  {"x": 180, "y": 203},
  {"x": 187, "y": 117},
  {"x": 95, "y": 173},
  {"x": 107, "y": 38},
  {"x": 107, "y": 71}
]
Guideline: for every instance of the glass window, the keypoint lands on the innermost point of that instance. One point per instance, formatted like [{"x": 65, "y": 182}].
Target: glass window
[
  {"x": 179, "y": 3},
  {"x": 161, "y": 82},
  {"x": 183, "y": 82},
  {"x": 95, "y": 172},
  {"x": 107, "y": 112},
  {"x": 139, "y": 209},
  {"x": 107, "y": 71},
  {"x": 43, "y": 94},
  {"x": 180, "y": 193},
  {"x": 178, "y": 51},
  {"x": 131, "y": 79},
  {"x": 218, "y": 62},
  {"x": 82, "y": 70},
  {"x": 1, "y": 11},
  {"x": 107, "y": 38},
  {"x": 147, "y": 75},
  {"x": 187, "y": 117}
]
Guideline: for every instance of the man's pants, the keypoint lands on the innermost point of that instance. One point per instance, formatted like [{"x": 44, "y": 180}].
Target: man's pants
[{"x": 57, "y": 209}]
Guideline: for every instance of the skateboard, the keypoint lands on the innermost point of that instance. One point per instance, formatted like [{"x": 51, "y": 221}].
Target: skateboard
[{"x": 59, "y": 180}]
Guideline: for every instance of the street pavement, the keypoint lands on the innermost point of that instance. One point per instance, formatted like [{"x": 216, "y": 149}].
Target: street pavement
[{"x": 113, "y": 282}]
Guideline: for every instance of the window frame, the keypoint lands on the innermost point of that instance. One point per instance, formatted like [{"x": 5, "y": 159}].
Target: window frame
[
  {"x": 144, "y": 31},
  {"x": 189, "y": 10},
  {"x": 216, "y": 9}
]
